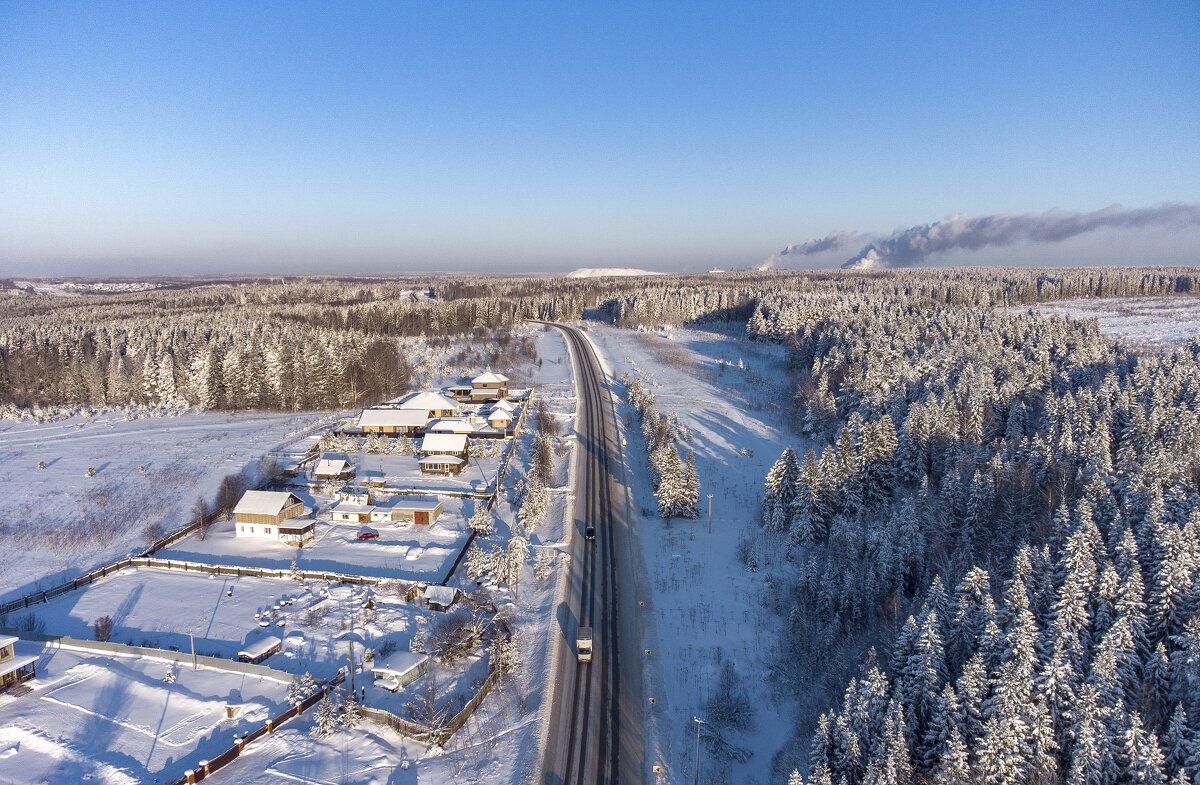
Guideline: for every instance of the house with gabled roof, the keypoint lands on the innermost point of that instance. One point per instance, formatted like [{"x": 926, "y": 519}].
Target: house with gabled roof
[
  {"x": 333, "y": 467},
  {"x": 489, "y": 385},
  {"x": 275, "y": 515},
  {"x": 432, "y": 403}
]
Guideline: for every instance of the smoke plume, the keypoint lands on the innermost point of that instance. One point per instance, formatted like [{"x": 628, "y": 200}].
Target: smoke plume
[
  {"x": 964, "y": 232},
  {"x": 814, "y": 245}
]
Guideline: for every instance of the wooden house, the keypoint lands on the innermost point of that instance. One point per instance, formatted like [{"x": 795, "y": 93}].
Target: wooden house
[
  {"x": 440, "y": 598},
  {"x": 459, "y": 392},
  {"x": 442, "y": 464},
  {"x": 333, "y": 467},
  {"x": 489, "y": 386},
  {"x": 13, "y": 669},
  {"x": 264, "y": 514}
]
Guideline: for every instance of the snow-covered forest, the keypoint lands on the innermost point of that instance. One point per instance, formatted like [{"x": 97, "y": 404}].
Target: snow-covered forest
[{"x": 1002, "y": 533}]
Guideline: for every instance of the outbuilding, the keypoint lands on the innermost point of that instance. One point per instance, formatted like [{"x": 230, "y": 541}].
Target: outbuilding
[
  {"x": 442, "y": 464},
  {"x": 333, "y": 467},
  {"x": 260, "y": 650},
  {"x": 391, "y": 421},
  {"x": 440, "y": 598},
  {"x": 400, "y": 669},
  {"x": 412, "y": 509}
]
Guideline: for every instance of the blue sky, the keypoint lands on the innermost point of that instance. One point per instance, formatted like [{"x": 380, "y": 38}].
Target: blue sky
[{"x": 193, "y": 138}]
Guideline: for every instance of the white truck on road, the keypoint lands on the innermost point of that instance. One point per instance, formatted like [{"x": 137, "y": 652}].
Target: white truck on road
[{"x": 583, "y": 644}]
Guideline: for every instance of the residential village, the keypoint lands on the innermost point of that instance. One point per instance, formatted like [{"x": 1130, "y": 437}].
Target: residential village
[{"x": 341, "y": 567}]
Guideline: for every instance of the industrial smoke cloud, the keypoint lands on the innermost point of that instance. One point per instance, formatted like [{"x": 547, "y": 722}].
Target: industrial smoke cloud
[{"x": 964, "y": 232}]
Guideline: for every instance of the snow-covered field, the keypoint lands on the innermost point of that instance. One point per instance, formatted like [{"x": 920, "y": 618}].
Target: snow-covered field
[
  {"x": 706, "y": 607},
  {"x": 1147, "y": 322},
  {"x": 114, "y": 720},
  {"x": 57, "y": 522},
  {"x": 406, "y": 551}
]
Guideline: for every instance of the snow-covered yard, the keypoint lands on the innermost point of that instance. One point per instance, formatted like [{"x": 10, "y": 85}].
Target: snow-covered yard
[
  {"x": 114, "y": 720},
  {"x": 58, "y": 522},
  {"x": 405, "y": 551},
  {"x": 706, "y": 606},
  {"x": 403, "y": 473}
]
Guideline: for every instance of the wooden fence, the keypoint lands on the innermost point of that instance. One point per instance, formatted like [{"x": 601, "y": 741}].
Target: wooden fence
[{"x": 206, "y": 767}]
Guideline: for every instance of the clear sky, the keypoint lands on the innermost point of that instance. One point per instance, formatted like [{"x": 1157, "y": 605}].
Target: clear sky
[{"x": 197, "y": 137}]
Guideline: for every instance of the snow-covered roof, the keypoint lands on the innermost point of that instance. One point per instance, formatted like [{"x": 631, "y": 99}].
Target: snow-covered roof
[
  {"x": 351, "y": 508},
  {"x": 490, "y": 378},
  {"x": 260, "y": 647},
  {"x": 500, "y": 414},
  {"x": 503, "y": 404},
  {"x": 8, "y": 640},
  {"x": 395, "y": 418},
  {"x": 459, "y": 387},
  {"x": 301, "y": 524},
  {"x": 444, "y": 442},
  {"x": 265, "y": 502},
  {"x": 450, "y": 425},
  {"x": 442, "y": 460},
  {"x": 442, "y": 595},
  {"x": 399, "y": 663},
  {"x": 415, "y": 503},
  {"x": 429, "y": 400},
  {"x": 332, "y": 466}
]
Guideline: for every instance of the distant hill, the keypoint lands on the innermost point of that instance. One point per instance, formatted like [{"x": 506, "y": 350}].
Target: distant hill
[{"x": 605, "y": 272}]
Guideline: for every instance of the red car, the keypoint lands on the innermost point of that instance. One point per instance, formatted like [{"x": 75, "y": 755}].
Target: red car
[{"x": 367, "y": 534}]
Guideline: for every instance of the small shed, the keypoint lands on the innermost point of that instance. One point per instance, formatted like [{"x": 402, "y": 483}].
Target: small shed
[
  {"x": 400, "y": 669},
  {"x": 296, "y": 531},
  {"x": 440, "y": 598},
  {"x": 259, "y": 650},
  {"x": 333, "y": 467}
]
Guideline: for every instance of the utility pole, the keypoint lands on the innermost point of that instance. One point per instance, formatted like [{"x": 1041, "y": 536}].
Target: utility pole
[
  {"x": 351, "y": 665},
  {"x": 698, "y": 722},
  {"x": 192, "y": 640},
  {"x": 710, "y": 513}
]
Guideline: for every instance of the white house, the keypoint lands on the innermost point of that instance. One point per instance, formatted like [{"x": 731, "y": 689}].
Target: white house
[{"x": 349, "y": 512}]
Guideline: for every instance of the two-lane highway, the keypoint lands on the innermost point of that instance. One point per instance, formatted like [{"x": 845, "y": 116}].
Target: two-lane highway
[{"x": 595, "y": 730}]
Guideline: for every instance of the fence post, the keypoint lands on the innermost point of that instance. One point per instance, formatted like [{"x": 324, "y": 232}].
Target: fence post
[{"x": 190, "y": 776}]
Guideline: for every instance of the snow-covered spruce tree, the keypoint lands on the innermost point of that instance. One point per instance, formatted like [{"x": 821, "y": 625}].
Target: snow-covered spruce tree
[
  {"x": 782, "y": 485},
  {"x": 350, "y": 715},
  {"x": 325, "y": 720}
]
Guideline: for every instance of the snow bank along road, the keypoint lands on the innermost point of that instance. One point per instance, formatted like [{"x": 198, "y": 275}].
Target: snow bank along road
[{"x": 595, "y": 731}]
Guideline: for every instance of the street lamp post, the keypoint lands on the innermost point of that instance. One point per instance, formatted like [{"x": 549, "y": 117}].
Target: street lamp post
[{"x": 698, "y": 722}]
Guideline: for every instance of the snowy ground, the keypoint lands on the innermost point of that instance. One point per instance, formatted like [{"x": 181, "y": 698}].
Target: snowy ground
[
  {"x": 499, "y": 744},
  {"x": 404, "y": 551},
  {"x": 403, "y": 473},
  {"x": 57, "y": 522},
  {"x": 114, "y": 720},
  {"x": 706, "y": 606},
  {"x": 1146, "y": 322}
]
